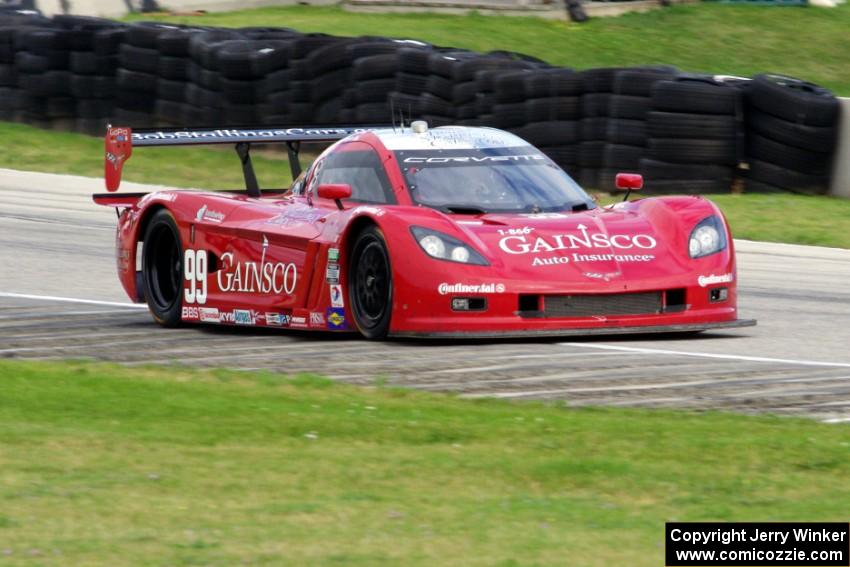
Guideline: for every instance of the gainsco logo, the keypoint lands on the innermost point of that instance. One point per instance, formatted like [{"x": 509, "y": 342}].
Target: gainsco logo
[
  {"x": 524, "y": 245},
  {"x": 252, "y": 277},
  {"x": 712, "y": 279},
  {"x": 446, "y": 288}
]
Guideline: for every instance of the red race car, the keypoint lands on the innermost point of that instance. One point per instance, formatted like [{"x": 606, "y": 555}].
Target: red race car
[{"x": 411, "y": 231}]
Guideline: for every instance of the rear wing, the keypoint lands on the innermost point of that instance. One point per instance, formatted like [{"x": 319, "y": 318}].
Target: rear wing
[{"x": 120, "y": 142}]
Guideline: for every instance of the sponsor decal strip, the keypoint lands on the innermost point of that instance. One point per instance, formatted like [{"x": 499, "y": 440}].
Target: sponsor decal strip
[{"x": 224, "y": 135}]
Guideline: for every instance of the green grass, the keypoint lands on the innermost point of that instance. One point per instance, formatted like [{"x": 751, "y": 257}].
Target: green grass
[
  {"x": 102, "y": 465},
  {"x": 798, "y": 219},
  {"x": 807, "y": 42}
]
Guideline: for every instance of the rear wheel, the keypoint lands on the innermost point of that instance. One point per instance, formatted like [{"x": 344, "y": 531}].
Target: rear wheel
[
  {"x": 370, "y": 284},
  {"x": 162, "y": 269}
]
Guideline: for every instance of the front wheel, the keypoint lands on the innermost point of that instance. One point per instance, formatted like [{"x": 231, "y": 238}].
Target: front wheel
[
  {"x": 162, "y": 269},
  {"x": 370, "y": 284}
]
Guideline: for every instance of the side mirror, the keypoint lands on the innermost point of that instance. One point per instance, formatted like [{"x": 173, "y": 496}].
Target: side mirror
[
  {"x": 335, "y": 192},
  {"x": 629, "y": 182}
]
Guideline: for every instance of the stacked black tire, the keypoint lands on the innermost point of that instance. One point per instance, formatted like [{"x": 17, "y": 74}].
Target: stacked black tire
[
  {"x": 415, "y": 77},
  {"x": 244, "y": 66},
  {"x": 332, "y": 89},
  {"x": 172, "y": 104},
  {"x": 597, "y": 88},
  {"x": 791, "y": 135},
  {"x": 42, "y": 59},
  {"x": 12, "y": 97},
  {"x": 93, "y": 63},
  {"x": 685, "y": 134},
  {"x": 552, "y": 108},
  {"x": 137, "y": 77},
  {"x": 628, "y": 109},
  {"x": 695, "y": 133},
  {"x": 373, "y": 78}
]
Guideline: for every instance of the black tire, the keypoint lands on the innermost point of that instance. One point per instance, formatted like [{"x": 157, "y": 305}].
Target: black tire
[
  {"x": 464, "y": 92},
  {"x": 803, "y": 136},
  {"x": 588, "y": 178},
  {"x": 440, "y": 86},
  {"x": 162, "y": 269},
  {"x": 174, "y": 68},
  {"x": 777, "y": 153},
  {"x": 599, "y": 80},
  {"x": 685, "y": 125},
  {"x": 375, "y": 90},
  {"x": 509, "y": 115},
  {"x": 92, "y": 86},
  {"x": 370, "y": 284},
  {"x": 553, "y": 108},
  {"x": 591, "y": 154},
  {"x": 556, "y": 133},
  {"x": 174, "y": 91},
  {"x": 92, "y": 108},
  {"x": 794, "y": 100},
  {"x": 639, "y": 82},
  {"x": 622, "y": 157},
  {"x": 661, "y": 170},
  {"x": 696, "y": 96},
  {"x": 594, "y": 129},
  {"x": 564, "y": 156},
  {"x": 375, "y": 67},
  {"x": 690, "y": 150},
  {"x": 135, "y": 81},
  {"x": 139, "y": 59},
  {"x": 630, "y": 132},
  {"x": 687, "y": 186},
  {"x": 510, "y": 87},
  {"x": 631, "y": 107},
  {"x": 553, "y": 83},
  {"x": 595, "y": 105},
  {"x": 777, "y": 176}
]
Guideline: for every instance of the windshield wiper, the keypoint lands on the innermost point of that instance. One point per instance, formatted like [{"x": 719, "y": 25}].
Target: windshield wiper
[{"x": 462, "y": 209}]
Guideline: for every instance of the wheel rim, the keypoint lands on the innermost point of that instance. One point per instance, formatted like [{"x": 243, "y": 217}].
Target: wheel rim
[
  {"x": 372, "y": 285},
  {"x": 165, "y": 268}
]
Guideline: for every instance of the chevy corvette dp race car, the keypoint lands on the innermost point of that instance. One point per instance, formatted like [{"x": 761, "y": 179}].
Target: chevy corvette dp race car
[{"x": 450, "y": 231}]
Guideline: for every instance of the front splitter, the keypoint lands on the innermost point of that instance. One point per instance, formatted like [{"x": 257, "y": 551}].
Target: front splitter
[{"x": 586, "y": 332}]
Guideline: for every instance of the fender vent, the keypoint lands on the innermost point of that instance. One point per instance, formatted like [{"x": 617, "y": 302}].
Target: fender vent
[{"x": 648, "y": 303}]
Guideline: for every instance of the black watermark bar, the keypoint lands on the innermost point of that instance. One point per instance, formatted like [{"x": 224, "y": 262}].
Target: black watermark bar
[{"x": 767, "y": 544}]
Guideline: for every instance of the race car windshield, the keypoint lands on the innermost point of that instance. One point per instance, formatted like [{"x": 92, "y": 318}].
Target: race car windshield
[{"x": 490, "y": 180}]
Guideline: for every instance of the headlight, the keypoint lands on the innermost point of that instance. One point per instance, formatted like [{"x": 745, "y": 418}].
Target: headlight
[
  {"x": 708, "y": 237},
  {"x": 445, "y": 247}
]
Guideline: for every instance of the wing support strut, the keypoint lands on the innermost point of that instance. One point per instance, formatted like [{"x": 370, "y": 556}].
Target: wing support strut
[{"x": 243, "y": 150}]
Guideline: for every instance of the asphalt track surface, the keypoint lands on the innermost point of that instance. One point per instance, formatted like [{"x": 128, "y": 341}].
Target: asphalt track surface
[{"x": 60, "y": 298}]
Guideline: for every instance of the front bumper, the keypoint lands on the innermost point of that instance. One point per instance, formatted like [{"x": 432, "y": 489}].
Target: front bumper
[{"x": 578, "y": 332}]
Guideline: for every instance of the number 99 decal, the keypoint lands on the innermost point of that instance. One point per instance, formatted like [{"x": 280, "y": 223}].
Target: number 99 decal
[{"x": 195, "y": 271}]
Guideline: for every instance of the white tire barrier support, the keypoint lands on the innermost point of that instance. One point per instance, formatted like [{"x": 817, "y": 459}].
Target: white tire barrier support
[{"x": 840, "y": 186}]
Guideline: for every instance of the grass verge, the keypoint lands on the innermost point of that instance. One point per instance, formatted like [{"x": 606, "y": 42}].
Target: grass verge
[
  {"x": 170, "y": 466},
  {"x": 823, "y": 221},
  {"x": 706, "y": 37}
]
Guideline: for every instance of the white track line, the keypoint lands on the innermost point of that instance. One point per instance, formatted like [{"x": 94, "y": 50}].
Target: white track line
[
  {"x": 72, "y": 300},
  {"x": 837, "y": 420},
  {"x": 709, "y": 355}
]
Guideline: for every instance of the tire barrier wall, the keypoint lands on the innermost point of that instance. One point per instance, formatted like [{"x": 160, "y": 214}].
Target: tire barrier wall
[{"x": 686, "y": 133}]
